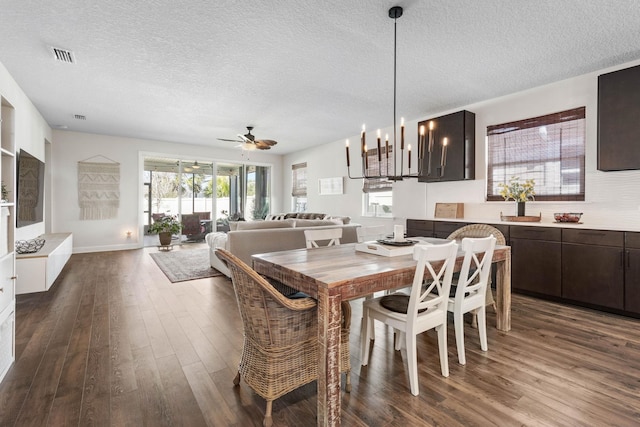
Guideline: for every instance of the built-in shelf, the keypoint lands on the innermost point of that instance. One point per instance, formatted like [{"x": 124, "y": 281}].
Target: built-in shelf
[{"x": 7, "y": 236}]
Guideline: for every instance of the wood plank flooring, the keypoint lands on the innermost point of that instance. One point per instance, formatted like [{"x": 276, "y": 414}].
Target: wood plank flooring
[{"x": 114, "y": 343}]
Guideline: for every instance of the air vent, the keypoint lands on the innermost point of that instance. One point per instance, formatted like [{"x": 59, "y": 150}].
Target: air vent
[
  {"x": 79, "y": 117},
  {"x": 63, "y": 55}
]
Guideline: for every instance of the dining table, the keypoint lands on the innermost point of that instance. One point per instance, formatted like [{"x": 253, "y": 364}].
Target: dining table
[{"x": 339, "y": 273}]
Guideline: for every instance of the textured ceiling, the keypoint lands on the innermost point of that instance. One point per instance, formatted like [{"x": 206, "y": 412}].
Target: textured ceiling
[{"x": 303, "y": 72}]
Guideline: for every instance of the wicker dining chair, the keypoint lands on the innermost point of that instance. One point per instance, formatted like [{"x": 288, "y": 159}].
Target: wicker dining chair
[
  {"x": 280, "y": 349},
  {"x": 480, "y": 230}
]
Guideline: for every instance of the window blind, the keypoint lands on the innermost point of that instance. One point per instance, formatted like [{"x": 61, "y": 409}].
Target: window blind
[
  {"x": 299, "y": 180},
  {"x": 375, "y": 168},
  {"x": 548, "y": 149}
]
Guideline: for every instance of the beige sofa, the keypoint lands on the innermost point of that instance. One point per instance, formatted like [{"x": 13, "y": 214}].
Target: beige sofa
[{"x": 257, "y": 237}]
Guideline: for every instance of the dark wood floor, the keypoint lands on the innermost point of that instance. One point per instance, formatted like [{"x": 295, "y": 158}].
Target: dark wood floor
[{"x": 115, "y": 343}]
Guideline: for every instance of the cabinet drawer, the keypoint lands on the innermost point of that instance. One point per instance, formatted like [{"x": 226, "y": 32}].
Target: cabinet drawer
[
  {"x": 421, "y": 224},
  {"x": 593, "y": 237},
  {"x": 419, "y": 227},
  {"x": 632, "y": 240},
  {"x": 7, "y": 342},
  {"x": 6, "y": 281},
  {"x": 446, "y": 228},
  {"x": 535, "y": 233}
]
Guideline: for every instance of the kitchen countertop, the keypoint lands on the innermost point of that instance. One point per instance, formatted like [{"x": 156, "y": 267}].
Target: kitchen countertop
[{"x": 543, "y": 223}]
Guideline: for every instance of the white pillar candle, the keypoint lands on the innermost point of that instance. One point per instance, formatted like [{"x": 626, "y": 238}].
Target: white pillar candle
[{"x": 398, "y": 233}]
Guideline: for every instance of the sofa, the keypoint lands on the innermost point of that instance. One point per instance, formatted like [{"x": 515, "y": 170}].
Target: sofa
[{"x": 254, "y": 237}]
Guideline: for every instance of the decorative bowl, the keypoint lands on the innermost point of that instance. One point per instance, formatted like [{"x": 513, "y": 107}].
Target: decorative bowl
[
  {"x": 568, "y": 216},
  {"x": 29, "y": 246}
]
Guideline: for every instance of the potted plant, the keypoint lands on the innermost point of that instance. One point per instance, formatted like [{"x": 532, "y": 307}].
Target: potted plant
[
  {"x": 164, "y": 228},
  {"x": 520, "y": 192}
]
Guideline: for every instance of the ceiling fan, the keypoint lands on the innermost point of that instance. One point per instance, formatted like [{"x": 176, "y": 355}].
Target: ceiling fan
[{"x": 249, "y": 141}]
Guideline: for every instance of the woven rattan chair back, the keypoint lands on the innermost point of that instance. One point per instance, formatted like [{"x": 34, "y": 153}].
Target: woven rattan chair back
[
  {"x": 280, "y": 349},
  {"x": 478, "y": 230}
]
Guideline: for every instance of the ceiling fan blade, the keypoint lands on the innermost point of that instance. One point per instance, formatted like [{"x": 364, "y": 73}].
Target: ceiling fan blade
[
  {"x": 269, "y": 142},
  {"x": 249, "y": 142}
]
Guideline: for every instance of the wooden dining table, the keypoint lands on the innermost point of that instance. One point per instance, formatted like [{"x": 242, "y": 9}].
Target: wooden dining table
[{"x": 338, "y": 273}]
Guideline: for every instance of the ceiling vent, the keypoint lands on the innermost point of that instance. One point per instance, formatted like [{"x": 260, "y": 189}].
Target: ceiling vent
[
  {"x": 63, "y": 55},
  {"x": 79, "y": 117}
]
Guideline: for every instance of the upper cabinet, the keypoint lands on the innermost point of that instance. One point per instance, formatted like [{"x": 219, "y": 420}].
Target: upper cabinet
[
  {"x": 449, "y": 147},
  {"x": 618, "y": 124}
]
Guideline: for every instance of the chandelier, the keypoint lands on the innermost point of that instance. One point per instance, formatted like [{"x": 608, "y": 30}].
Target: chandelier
[{"x": 381, "y": 163}]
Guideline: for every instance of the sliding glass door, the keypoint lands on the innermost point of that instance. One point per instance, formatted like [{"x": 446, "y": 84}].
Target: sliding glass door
[
  {"x": 205, "y": 195},
  {"x": 161, "y": 181}
]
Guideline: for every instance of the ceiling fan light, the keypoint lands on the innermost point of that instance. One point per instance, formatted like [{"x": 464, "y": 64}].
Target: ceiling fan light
[
  {"x": 196, "y": 165},
  {"x": 249, "y": 146}
]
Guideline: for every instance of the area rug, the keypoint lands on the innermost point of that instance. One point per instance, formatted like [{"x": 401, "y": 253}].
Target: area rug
[{"x": 187, "y": 264}]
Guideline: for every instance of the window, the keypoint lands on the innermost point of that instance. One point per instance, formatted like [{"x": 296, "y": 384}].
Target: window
[
  {"x": 548, "y": 149},
  {"x": 299, "y": 187},
  {"x": 377, "y": 192}
]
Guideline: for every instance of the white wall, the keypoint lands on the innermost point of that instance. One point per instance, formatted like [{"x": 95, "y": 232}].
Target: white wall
[
  {"x": 612, "y": 198},
  {"x": 69, "y": 148},
  {"x": 31, "y": 131}
]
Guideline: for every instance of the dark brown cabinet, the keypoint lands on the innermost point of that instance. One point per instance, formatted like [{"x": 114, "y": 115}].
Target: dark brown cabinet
[
  {"x": 536, "y": 260},
  {"x": 618, "y": 124},
  {"x": 593, "y": 267},
  {"x": 419, "y": 227},
  {"x": 442, "y": 229},
  {"x": 632, "y": 273},
  {"x": 458, "y": 161}
]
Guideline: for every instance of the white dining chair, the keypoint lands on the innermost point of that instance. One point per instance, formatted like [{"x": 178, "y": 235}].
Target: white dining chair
[
  {"x": 480, "y": 230},
  {"x": 368, "y": 233},
  {"x": 468, "y": 293},
  {"x": 322, "y": 237},
  {"x": 418, "y": 312}
]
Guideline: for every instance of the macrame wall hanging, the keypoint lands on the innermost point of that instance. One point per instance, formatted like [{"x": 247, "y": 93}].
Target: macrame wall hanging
[{"x": 98, "y": 188}]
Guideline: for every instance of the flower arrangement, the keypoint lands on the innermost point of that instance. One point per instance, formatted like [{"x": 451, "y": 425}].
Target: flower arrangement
[{"x": 515, "y": 190}]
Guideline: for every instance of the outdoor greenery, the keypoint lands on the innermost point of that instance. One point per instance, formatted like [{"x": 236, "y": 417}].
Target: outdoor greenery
[{"x": 222, "y": 186}]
